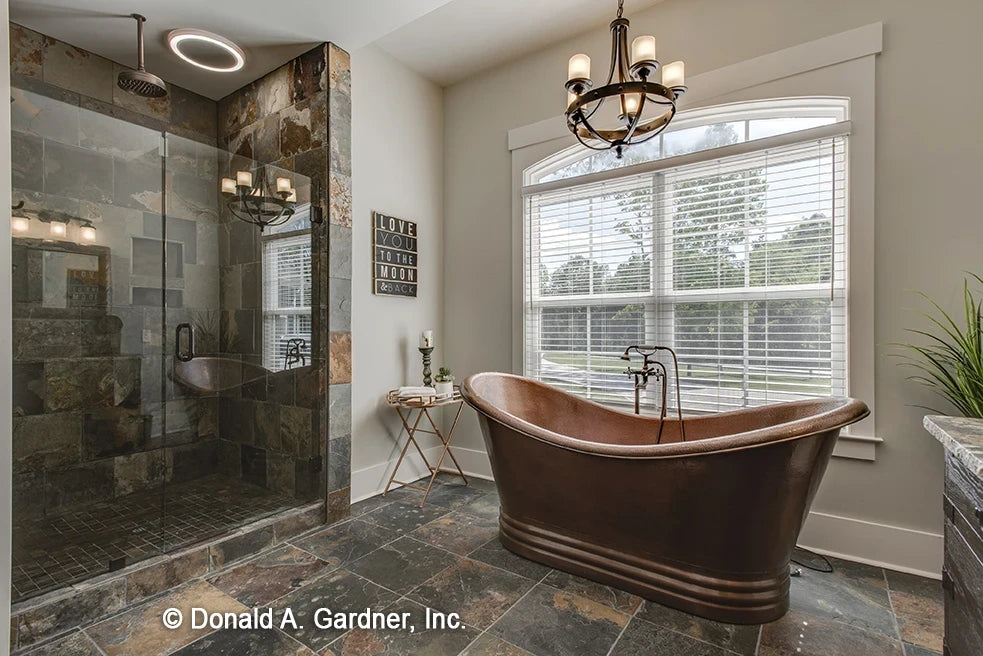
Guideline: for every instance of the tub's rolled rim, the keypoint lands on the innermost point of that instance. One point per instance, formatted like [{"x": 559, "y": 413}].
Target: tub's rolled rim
[{"x": 842, "y": 411}]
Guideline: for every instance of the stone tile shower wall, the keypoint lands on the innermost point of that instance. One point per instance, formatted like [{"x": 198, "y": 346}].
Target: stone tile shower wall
[
  {"x": 295, "y": 431},
  {"x": 88, "y": 402},
  {"x": 290, "y": 433}
]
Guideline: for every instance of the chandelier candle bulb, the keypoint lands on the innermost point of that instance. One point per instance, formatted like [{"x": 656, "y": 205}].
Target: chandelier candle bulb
[
  {"x": 228, "y": 186},
  {"x": 283, "y": 184},
  {"x": 673, "y": 74},
  {"x": 579, "y": 67},
  {"x": 244, "y": 178},
  {"x": 20, "y": 224},
  {"x": 88, "y": 233},
  {"x": 643, "y": 49},
  {"x": 630, "y": 104}
]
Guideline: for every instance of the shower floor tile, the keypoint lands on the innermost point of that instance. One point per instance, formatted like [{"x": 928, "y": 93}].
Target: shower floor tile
[{"x": 54, "y": 552}]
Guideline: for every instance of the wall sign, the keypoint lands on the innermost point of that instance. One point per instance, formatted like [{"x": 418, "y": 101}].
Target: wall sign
[{"x": 394, "y": 263}]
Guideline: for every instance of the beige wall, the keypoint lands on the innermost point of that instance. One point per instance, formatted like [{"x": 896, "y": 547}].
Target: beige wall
[
  {"x": 397, "y": 169},
  {"x": 929, "y": 227}
]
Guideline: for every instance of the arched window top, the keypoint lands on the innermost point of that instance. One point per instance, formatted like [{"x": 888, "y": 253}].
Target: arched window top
[{"x": 699, "y": 129}]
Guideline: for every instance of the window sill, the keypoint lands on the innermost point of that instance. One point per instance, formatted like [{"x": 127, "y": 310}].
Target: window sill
[{"x": 856, "y": 447}]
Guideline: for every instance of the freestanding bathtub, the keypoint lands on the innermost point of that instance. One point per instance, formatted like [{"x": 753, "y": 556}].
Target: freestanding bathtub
[{"x": 705, "y": 525}]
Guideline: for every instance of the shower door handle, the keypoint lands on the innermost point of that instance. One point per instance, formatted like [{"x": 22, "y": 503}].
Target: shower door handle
[{"x": 186, "y": 356}]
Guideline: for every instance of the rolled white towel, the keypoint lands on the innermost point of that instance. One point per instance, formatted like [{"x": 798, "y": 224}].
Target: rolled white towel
[{"x": 416, "y": 391}]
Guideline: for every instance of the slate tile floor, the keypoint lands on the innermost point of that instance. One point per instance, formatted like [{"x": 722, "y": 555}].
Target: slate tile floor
[{"x": 393, "y": 556}]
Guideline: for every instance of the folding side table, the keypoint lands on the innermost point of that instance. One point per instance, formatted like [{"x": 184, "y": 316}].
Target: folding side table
[{"x": 405, "y": 408}]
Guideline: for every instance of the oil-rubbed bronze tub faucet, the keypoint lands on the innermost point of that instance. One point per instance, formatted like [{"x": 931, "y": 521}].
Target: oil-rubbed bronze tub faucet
[{"x": 652, "y": 367}]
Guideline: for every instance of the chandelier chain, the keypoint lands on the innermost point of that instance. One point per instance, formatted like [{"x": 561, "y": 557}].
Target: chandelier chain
[{"x": 621, "y": 8}]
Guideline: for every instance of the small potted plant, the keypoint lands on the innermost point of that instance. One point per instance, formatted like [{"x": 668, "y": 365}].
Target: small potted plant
[{"x": 445, "y": 382}]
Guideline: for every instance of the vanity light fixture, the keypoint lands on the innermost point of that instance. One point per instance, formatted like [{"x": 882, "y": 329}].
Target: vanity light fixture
[
  {"x": 87, "y": 231},
  {"x": 20, "y": 224},
  {"x": 183, "y": 40},
  {"x": 645, "y": 107},
  {"x": 58, "y": 228}
]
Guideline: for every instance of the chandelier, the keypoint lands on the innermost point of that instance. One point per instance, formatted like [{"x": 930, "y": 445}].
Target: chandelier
[
  {"x": 259, "y": 205},
  {"x": 644, "y": 108}
]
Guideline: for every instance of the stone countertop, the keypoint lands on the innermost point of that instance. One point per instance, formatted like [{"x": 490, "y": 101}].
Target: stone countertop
[{"x": 960, "y": 436}]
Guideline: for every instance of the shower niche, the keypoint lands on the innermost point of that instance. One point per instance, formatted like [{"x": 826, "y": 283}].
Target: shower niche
[{"x": 166, "y": 386}]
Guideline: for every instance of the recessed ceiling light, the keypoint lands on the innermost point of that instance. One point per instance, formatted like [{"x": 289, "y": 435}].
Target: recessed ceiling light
[{"x": 206, "y": 50}]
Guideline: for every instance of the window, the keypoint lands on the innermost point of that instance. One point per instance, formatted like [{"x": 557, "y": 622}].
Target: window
[
  {"x": 726, "y": 243},
  {"x": 286, "y": 297}
]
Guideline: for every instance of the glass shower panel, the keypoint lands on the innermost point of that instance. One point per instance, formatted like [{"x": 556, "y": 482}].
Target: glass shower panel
[
  {"x": 88, "y": 339},
  {"x": 240, "y": 413}
]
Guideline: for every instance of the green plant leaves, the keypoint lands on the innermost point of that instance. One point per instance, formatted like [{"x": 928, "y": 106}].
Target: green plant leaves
[{"x": 951, "y": 363}]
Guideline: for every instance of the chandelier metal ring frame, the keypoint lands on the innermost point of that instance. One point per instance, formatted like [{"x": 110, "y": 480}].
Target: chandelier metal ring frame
[
  {"x": 628, "y": 82},
  {"x": 579, "y": 123}
]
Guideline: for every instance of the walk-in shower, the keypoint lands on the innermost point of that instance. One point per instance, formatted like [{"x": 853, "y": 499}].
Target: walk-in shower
[{"x": 163, "y": 386}]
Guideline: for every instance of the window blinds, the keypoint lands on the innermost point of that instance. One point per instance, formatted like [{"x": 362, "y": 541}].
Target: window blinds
[
  {"x": 738, "y": 263},
  {"x": 286, "y": 296}
]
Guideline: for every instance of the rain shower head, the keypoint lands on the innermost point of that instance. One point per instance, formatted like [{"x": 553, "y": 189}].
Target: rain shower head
[{"x": 140, "y": 82}]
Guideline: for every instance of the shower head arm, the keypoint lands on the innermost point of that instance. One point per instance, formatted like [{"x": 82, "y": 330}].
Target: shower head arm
[{"x": 140, "y": 21}]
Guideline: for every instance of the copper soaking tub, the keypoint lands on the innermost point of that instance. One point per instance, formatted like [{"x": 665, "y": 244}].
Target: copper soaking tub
[{"x": 705, "y": 525}]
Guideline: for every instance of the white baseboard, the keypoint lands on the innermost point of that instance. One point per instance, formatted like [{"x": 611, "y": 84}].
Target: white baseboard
[
  {"x": 370, "y": 481},
  {"x": 881, "y": 545}
]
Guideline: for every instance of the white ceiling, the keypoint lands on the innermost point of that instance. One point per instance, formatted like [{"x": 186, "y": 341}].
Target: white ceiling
[
  {"x": 271, "y": 32},
  {"x": 463, "y": 37},
  {"x": 445, "y": 40}
]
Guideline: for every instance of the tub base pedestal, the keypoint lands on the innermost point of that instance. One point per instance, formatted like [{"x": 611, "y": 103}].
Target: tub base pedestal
[{"x": 720, "y": 598}]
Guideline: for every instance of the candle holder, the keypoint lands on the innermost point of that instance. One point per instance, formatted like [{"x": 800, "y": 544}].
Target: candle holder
[{"x": 427, "y": 352}]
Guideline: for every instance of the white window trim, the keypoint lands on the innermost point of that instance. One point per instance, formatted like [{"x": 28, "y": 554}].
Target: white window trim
[{"x": 838, "y": 65}]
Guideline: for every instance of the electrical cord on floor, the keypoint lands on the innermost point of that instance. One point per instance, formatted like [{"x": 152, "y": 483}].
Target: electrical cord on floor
[{"x": 828, "y": 569}]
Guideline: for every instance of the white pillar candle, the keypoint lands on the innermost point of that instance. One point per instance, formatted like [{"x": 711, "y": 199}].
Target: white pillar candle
[
  {"x": 228, "y": 186},
  {"x": 579, "y": 67},
  {"x": 20, "y": 223},
  {"x": 643, "y": 49},
  {"x": 673, "y": 74},
  {"x": 283, "y": 184},
  {"x": 244, "y": 178},
  {"x": 426, "y": 339}
]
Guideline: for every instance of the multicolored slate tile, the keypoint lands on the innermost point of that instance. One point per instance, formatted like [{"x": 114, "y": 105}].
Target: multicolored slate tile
[
  {"x": 479, "y": 593},
  {"x": 549, "y": 622}
]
